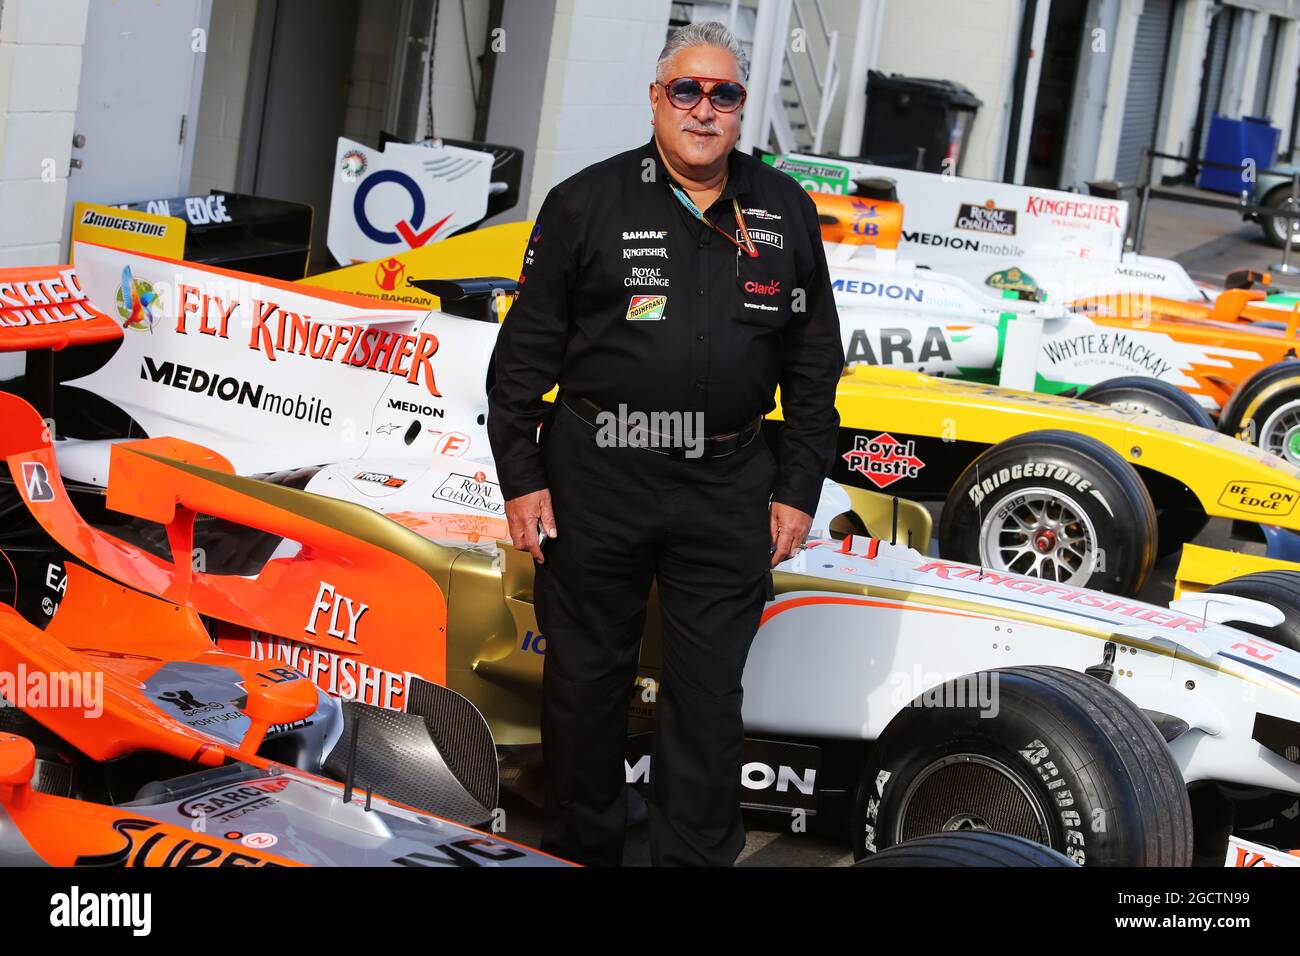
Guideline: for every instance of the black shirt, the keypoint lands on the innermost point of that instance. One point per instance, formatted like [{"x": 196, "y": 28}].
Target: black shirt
[{"x": 613, "y": 249}]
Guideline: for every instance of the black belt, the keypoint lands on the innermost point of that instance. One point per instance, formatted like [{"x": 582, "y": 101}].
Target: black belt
[{"x": 717, "y": 446}]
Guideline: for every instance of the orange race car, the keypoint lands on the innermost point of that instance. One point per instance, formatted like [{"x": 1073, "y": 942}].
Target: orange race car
[{"x": 128, "y": 738}]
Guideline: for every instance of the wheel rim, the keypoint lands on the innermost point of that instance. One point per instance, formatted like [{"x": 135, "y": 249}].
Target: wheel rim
[
  {"x": 971, "y": 792},
  {"x": 1280, "y": 434},
  {"x": 1281, "y": 227},
  {"x": 1039, "y": 533}
]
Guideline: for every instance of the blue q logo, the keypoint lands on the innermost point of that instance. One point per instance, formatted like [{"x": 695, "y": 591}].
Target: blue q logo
[
  {"x": 862, "y": 213},
  {"x": 398, "y": 179}
]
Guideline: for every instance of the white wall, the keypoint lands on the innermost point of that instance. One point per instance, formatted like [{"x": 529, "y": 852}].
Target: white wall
[
  {"x": 972, "y": 43},
  {"x": 515, "y": 113},
  {"x": 1112, "y": 121},
  {"x": 221, "y": 103},
  {"x": 40, "y": 70},
  {"x": 1284, "y": 90},
  {"x": 1183, "y": 84},
  {"x": 596, "y": 100}
]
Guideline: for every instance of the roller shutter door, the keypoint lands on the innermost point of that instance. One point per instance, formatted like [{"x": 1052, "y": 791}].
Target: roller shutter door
[{"x": 1145, "y": 83}]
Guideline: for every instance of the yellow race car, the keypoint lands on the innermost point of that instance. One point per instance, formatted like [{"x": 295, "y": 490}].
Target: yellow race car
[{"x": 1047, "y": 486}]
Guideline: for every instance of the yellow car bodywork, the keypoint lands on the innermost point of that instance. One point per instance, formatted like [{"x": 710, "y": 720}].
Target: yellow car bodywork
[
  {"x": 1229, "y": 478},
  {"x": 1200, "y": 568}
]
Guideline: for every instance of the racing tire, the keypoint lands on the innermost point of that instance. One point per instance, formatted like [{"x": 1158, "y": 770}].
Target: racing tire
[
  {"x": 1265, "y": 410},
  {"x": 1175, "y": 525},
  {"x": 1281, "y": 589},
  {"x": 1151, "y": 395},
  {"x": 1275, "y": 227},
  {"x": 1059, "y": 758},
  {"x": 968, "y": 848},
  {"x": 1056, "y": 505}
]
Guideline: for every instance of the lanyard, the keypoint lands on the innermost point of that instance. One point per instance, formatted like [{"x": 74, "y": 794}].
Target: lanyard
[{"x": 747, "y": 245}]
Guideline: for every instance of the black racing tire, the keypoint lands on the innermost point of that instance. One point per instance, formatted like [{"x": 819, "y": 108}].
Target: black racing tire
[
  {"x": 1151, "y": 395},
  {"x": 1045, "y": 753},
  {"x": 968, "y": 848},
  {"x": 1177, "y": 525},
  {"x": 1280, "y": 589},
  {"x": 1275, "y": 228},
  {"x": 1265, "y": 410},
  {"x": 1100, "y": 516}
]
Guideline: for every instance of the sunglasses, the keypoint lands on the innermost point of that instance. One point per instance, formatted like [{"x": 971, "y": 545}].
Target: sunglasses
[{"x": 685, "y": 92}]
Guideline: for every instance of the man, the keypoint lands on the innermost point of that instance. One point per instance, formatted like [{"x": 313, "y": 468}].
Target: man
[{"x": 676, "y": 284}]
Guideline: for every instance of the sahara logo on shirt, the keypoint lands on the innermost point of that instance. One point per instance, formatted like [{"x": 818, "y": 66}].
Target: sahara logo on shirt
[{"x": 646, "y": 308}]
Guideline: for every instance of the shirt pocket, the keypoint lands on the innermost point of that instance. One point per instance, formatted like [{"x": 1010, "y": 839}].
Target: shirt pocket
[{"x": 765, "y": 289}]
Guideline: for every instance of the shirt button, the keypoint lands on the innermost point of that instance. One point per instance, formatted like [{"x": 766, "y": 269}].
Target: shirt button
[
  {"x": 699, "y": 385},
  {"x": 700, "y": 291},
  {"x": 699, "y": 338}
]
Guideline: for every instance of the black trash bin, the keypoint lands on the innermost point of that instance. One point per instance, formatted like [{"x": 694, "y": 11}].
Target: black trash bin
[{"x": 915, "y": 123}]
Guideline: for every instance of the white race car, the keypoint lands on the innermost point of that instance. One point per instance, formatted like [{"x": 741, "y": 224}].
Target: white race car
[{"x": 1063, "y": 245}]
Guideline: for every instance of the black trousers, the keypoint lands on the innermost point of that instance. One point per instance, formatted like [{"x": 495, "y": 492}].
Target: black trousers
[{"x": 699, "y": 528}]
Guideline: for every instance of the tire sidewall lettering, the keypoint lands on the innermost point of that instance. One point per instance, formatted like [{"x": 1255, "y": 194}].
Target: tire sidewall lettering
[{"x": 1036, "y": 470}]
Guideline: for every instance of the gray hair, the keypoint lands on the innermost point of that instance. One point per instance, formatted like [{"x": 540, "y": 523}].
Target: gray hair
[{"x": 711, "y": 33}]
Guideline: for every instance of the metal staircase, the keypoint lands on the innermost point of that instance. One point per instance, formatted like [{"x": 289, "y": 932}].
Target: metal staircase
[{"x": 795, "y": 63}]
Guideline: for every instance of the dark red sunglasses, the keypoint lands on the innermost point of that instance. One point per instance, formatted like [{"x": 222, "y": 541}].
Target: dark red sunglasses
[{"x": 685, "y": 93}]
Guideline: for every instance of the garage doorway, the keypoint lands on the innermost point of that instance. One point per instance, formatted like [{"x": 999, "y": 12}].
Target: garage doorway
[
  {"x": 298, "y": 94},
  {"x": 1058, "y": 74}
]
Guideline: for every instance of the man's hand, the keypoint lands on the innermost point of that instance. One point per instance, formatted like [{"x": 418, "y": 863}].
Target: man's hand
[
  {"x": 523, "y": 514},
  {"x": 789, "y": 529}
]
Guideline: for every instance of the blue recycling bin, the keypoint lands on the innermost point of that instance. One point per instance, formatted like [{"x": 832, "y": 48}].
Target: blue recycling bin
[{"x": 1235, "y": 141}]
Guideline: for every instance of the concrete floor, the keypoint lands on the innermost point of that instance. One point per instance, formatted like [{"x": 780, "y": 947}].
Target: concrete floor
[{"x": 1208, "y": 243}]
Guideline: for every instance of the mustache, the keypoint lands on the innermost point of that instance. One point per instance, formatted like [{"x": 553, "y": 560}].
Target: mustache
[{"x": 692, "y": 126}]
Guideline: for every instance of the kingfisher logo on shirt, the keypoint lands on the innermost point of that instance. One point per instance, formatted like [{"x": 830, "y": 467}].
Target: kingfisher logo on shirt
[{"x": 645, "y": 308}]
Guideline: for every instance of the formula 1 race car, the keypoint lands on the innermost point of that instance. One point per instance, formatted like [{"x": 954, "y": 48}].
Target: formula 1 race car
[
  {"x": 1050, "y": 486},
  {"x": 1053, "y": 245},
  {"x": 1046, "y": 270},
  {"x": 918, "y": 695},
  {"x": 128, "y": 739},
  {"x": 386, "y": 407}
]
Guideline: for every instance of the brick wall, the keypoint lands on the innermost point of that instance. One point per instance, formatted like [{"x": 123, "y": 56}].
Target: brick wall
[
  {"x": 40, "y": 67},
  {"x": 596, "y": 101}
]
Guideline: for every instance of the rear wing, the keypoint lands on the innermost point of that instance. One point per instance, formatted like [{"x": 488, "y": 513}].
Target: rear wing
[
  {"x": 277, "y": 375},
  {"x": 346, "y": 582},
  {"x": 44, "y": 307}
]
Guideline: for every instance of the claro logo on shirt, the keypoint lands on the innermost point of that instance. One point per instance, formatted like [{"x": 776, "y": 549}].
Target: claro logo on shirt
[
  {"x": 763, "y": 288},
  {"x": 646, "y": 308}
]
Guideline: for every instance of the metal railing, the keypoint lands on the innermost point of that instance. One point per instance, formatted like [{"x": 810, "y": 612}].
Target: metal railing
[
  {"x": 1244, "y": 204},
  {"x": 826, "y": 86}
]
